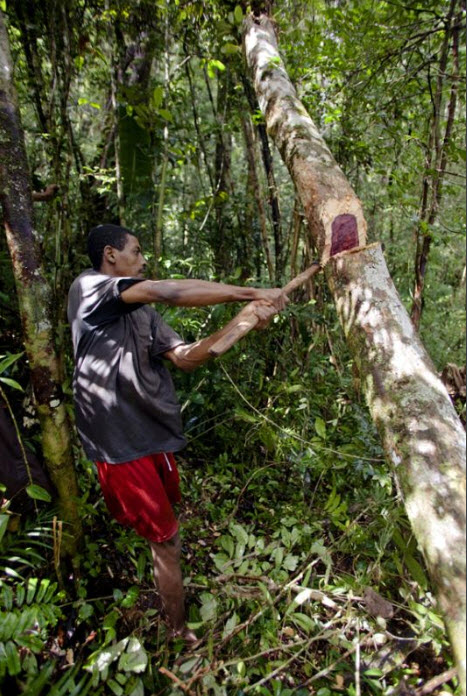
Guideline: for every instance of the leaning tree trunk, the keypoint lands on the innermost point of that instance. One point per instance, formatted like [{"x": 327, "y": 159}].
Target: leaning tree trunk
[
  {"x": 34, "y": 297},
  {"x": 423, "y": 438}
]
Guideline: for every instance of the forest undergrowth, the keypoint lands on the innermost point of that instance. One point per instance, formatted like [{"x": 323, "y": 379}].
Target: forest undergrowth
[{"x": 301, "y": 573}]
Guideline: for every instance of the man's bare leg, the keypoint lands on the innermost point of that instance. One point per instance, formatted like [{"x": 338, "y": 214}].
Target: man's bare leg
[{"x": 169, "y": 581}]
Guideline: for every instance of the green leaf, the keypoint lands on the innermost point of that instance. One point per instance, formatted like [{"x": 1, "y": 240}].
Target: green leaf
[
  {"x": 43, "y": 587},
  {"x": 141, "y": 566},
  {"x": 208, "y": 610},
  {"x": 11, "y": 383},
  {"x": 292, "y": 388},
  {"x": 30, "y": 641},
  {"x": 268, "y": 437},
  {"x": 245, "y": 416},
  {"x": 238, "y": 14},
  {"x": 274, "y": 60},
  {"x": 3, "y": 525},
  {"x": 227, "y": 544},
  {"x": 85, "y": 611},
  {"x": 50, "y": 592},
  {"x": 230, "y": 625},
  {"x": 8, "y": 626},
  {"x": 31, "y": 591},
  {"x": 215, "y": 65},
  {"x": 12, "y": 658},
  {"x": 9, "y": 360},
  {"x": 166, "y": 115},
  {"x": 239, "y": 532},
  {"x": 416, "y": 571},
  {"x": 290, "y": 562},
  {"x": 187, "y": 666},
  {"x": 135, "y": 658},
  {"x": 131, "y": 597},
  {"x": 320, "y": 427},
  {"x": 100, "y": 660},
  {"x": 241, "y": 668},
  {"x": 29, "y": 665},
  {"x": 7, "y": 597},
  {"x": 220, "y": 561},
  {"x": 304, "y": 621},
  {"x": 11, "y": 572},
  {"x": 229, "y": 49},
  {"x": 158, "y": 96},
  {"x": 138, "y": 689},
  {"x": 28, "y": 618},
  {"x": 38, "y": 493},
  {"x": 115, "y": 687},
  {"x": 35, "y": 687},
  {"x": 278, "y": 556}
]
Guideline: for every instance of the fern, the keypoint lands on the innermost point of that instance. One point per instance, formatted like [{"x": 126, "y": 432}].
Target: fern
[
  {"x": 25, "y": 547},
  {"x": 27, "y": 613}
]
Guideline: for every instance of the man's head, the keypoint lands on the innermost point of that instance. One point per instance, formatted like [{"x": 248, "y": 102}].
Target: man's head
[{"x": 114, "y": 250}]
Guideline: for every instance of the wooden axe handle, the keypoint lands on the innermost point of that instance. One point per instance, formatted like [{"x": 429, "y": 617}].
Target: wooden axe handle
[
  {"x": 302, "y": 278},
  {"x": 243, "y": 327}
]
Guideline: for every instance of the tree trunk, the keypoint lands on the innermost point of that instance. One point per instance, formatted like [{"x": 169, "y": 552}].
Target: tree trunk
[
  {"x": 160, "y": 184},
  {"x": 436, "y": 157},
  {"x": 131, "y": 75},
  {"x": 422, "y": 435},
  {"x": 222, "y": 235},
  {"x": 273, "y": 194},
  {"x": 253, "y": 177},
  {"x": 34, "y": 297}
]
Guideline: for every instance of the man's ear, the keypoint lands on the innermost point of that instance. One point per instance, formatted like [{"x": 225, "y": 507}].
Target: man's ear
[{"x": 109, "y": 254}]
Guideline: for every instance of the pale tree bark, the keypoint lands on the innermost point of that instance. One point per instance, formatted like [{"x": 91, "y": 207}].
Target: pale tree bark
[
  {"x": 34, "y": 297},
  {"x": 422, "y": 436},
  {"x": 253, "y": 177}
]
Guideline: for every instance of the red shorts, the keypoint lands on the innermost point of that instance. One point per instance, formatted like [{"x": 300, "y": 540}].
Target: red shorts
[{"x": 140, "y": 494}]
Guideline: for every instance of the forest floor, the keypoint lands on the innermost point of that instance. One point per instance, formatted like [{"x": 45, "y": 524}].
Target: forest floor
[
  {"x": 302, "y": 574},
  {"x": 286, "y": 596}
]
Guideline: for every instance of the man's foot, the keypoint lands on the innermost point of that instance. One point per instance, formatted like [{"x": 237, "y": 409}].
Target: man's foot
[{"x": 185, "y": 634}]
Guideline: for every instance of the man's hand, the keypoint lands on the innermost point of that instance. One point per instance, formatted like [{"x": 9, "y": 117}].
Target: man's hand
[
  {"x": 261, "y": 310},
  {"x": 256, "y": 314},
  {"x": 273, "y": 296}
]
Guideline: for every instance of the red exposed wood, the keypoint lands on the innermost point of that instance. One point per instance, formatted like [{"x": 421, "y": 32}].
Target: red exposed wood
[{"x": 344, "y": 233}]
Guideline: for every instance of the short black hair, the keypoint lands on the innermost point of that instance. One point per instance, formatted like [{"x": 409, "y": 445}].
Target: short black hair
[{"x": 105, "y": 235}]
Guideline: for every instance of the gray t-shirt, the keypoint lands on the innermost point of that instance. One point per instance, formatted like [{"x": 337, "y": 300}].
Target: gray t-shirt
[{"x": 126, "y": 406}]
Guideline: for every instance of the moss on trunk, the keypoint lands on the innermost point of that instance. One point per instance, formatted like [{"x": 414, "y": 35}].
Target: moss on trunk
[{"x": 34, "y": 300}]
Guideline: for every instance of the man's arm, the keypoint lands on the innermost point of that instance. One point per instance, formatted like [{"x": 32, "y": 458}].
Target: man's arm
[
  {"x": 189, "y": 356},
  {"x": 198, "y": 293}
]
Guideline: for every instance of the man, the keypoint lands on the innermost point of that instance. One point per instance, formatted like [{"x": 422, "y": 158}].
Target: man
[{"x": 127, "y": 413}]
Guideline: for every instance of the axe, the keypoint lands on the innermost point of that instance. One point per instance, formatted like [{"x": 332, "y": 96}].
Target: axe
[{"x": 243, "y": 327}]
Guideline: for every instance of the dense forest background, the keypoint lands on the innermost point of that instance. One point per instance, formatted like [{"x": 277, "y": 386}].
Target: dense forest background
[{"x": 301, "y": 570}]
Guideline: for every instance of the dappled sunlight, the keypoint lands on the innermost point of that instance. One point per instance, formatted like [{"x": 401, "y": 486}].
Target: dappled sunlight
[
  {"x": 372, "y": 305},
  {"x": 302, "y": 571},
  {"x": 421, "y": 431}
]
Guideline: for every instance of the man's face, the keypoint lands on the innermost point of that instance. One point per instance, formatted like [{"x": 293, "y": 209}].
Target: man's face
[{"x": 130, "y": 260}]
